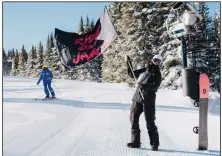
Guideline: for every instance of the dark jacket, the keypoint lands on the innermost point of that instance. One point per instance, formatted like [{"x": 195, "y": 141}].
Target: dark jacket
[{"x": 152, "y": 84}]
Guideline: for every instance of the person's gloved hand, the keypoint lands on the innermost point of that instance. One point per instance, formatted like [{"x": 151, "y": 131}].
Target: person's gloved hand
[
  {"x": 140, "y": 85},
  {"x": 37, "y": 83}
]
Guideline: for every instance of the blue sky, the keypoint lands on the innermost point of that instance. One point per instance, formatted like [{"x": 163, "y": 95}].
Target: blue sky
[{"x": 30, "y": 22}]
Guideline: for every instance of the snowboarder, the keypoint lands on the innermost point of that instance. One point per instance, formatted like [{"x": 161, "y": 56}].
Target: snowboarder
[
  {"x": 148, "y": 82},
  {"x": 46, "y": 76}
]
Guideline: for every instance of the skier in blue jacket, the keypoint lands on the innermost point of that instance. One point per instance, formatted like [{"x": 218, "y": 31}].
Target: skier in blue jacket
[{"x": 46, "y": 76}]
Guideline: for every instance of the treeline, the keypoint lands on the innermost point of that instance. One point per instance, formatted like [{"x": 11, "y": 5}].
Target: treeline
[{"x": 142, "y": 33}]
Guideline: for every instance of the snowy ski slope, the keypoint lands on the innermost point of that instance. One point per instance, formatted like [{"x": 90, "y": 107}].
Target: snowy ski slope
[{"x": 92, "y": 119}]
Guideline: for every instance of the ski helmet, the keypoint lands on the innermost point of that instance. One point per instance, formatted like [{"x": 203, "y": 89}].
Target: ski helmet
[{"x": 44, "y": 66}]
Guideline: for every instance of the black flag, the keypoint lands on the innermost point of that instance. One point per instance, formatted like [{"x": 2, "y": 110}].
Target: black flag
[{"x": 75, "y": 49}]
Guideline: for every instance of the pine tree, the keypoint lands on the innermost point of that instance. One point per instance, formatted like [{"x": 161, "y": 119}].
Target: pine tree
[
  {"x": 87, "y": 24},
  {"x": 215, "y": 54},
  {"x": 24, "y": 53},
  {"x": 204, "y": 26},
  {"x": 22, "y": 62},
  {"x": 205, "y": 46},
  {"x": 55, "y": 60},
  {"x": 157, "y": 41},
  {"x": 48, "y": 53},
  {"x": 11, "y": 54},
  {"x": 30, "y": 66},
  {"x": 81, "y": 26},
  {"x": 141, "y": 35},
  {"x": 16, "y": 58},
  {"x": 92, "y": 25},
  {"x": 15, "y": 62},
  {"x": 7, "y": 61},
  {"x": 4, "y": 60},
  {"x": 217, "y": 24},
  {"x": 114, "y": 67},
  {"x": 39, "y": 61},
  {"x": 56, "y": 64},
  {"x": 51, "y": 40},
  {"x": 35, "y": 52},
  {"x": 4, "y": 54}
]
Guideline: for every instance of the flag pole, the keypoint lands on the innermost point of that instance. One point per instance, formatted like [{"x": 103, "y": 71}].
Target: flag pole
[
  {"x": 131, "y": 70},
  {"x": 125, "y": 54}
]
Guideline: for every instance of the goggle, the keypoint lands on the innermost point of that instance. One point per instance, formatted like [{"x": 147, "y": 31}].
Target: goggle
[{"x": 156, "y": 60}]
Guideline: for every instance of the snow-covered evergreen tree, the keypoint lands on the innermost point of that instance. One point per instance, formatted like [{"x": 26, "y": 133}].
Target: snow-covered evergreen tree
[
  {"x": 92, "y": 24},
  {"x": 217, "y": 24},
  {"x": 87, "y": 24},
  {"x": 30, "y": 66},
  {"x": 55, "y": 65},
  {"x": 39, "y": 61},
  {"x": 216, "y": 52},
  {"x": 22, "y": 62},
  {"x": 3, "y": 54},
  {"x": 204, "y": 25},
  {"x": 159, "y": 42},
  {"x": 81, "y": 26},
  {"x": 142, "y": 34},
  {"x": 11, "y": 54},
  {"x": 4, "y": 62},
  {"x": 48, "y": 53},
  {"x": 126, "y": 17},
  {"x": 24, "y": 53},
  {"x": 207, "y": 48},
  {"x": 35, "y": 52},
  {"x": 15, "y": 61}
]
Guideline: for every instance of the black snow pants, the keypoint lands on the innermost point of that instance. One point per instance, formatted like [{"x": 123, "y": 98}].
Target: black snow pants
[{"x": 148, "y": 107}]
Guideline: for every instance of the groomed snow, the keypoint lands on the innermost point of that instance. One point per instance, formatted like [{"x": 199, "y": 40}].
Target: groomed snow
[{"x": 92, "y": 119}]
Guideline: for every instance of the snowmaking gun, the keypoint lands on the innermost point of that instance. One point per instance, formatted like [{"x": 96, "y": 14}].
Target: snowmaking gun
[
  {"x": 182, "y": 20},
  {"x": 182, "y": 23}
]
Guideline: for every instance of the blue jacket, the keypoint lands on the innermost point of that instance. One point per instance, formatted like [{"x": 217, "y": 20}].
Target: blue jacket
[{"x": 46, "y": 76}]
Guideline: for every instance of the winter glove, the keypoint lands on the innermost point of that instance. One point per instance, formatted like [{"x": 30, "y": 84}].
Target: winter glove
[
  {"x": 139, "y": 85},
  {"x": 37, "y": 83}
]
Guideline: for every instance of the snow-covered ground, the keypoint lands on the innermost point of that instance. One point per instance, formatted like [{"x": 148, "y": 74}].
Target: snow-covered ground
[{"x": 92, "y": 119}]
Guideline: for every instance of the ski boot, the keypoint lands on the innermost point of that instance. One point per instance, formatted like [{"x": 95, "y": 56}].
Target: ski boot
[
  {"x": 47, "y": 97},
  {"x": 154, "y": 148},
  {"x": 135, "y": 140},
  {"x": 133, "y": 145},
  {"x": 53, "y": 97}
]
